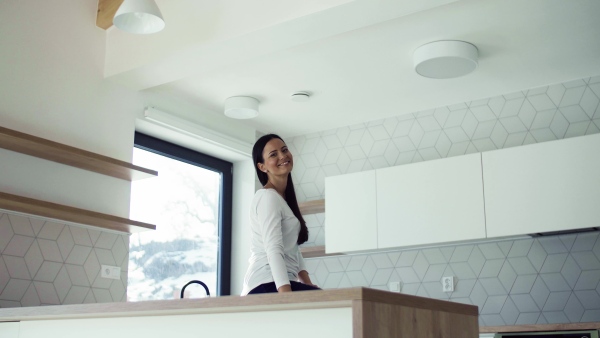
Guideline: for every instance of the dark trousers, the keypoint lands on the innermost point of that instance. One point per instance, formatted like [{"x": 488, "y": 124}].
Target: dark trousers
[{"x": 270, "y": 288}]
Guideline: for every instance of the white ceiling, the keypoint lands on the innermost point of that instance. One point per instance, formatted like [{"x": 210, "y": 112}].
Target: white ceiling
[{"x": 354, "y": 57}]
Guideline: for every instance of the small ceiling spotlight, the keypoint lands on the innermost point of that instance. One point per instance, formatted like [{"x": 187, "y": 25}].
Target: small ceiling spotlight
[
  {"x": 300, "y": 97},
  {"x": 241, "y": 107},
  {"x": 445, "y": 59}
]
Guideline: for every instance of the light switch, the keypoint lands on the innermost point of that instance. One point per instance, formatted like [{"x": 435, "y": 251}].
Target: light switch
[
  {"x": 109, "y": 271},
  {"x": 395, "y": 286}
]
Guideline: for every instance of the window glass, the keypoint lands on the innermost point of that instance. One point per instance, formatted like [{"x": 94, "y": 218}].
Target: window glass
[{"x": 184, "y": 202}]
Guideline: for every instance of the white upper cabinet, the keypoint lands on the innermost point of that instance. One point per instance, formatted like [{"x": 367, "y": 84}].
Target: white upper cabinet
[
  {"x": 351, "y": 216},
  {"x": 543, "y": 187},
  {"x": 430, "y": 202}
]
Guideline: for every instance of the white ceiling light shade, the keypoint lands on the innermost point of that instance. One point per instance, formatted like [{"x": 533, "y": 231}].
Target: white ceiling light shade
[
  {"x": 139, "y": 17},
  {"x": 445, "y": 59},
  {"x": 241, "y": 107}
]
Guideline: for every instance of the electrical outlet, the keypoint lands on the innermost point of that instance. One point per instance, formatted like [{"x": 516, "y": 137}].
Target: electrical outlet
[
  {"x": 395, "y": 286},
  {"x": 112, "y": 272},
  {"x": 447, "y": 284}
]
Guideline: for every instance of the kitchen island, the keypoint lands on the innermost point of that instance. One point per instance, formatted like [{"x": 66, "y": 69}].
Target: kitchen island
[{"x": 354, "y": 312}]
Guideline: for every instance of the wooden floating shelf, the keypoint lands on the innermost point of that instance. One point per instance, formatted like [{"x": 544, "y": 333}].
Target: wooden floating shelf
[
  {"x": 308, "y": 208},
  {"x": 70, "y": 214},
  {"x": 316, "y": 251},
  {"x": 312, "y": 207},
  {"x": 71, "y": 156}
]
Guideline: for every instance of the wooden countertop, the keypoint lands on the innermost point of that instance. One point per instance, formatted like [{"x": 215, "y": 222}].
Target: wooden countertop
[
  {"x": 295, "y": 300},
  {"x": 541, "y": 327}
]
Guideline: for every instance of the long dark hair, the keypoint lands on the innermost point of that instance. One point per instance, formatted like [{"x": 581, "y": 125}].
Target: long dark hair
[{"x": 290, "y": 193}]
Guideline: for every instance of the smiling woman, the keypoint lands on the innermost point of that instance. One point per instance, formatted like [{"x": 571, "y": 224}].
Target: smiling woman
[
  {"x": 191, "y": 204},
  {"x": 276, "y": 263}
]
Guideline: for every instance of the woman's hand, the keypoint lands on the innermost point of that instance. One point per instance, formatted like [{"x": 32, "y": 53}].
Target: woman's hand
[{"x": 304, "y": 278}]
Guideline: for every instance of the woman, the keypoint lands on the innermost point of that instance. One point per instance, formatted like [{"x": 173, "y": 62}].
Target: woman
[{"x": 276, "y": 264}]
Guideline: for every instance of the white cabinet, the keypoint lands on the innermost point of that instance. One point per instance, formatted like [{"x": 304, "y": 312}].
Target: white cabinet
[
  {"x": 543, "y": 187},
  {"x": 423, "y": 203},
  {"x": 333, "y": 322},
  {"x": 9, "y": 329},
  {"x": 430, "y": 202},
  {"x": 351, "y": 216}
]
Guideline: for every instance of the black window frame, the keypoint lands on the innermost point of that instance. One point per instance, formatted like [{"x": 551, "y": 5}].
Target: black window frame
[{"x": 225, "y": 169}]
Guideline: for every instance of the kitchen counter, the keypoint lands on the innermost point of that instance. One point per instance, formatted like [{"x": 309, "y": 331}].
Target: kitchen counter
[
  {"x": 541, "y": 327},
  {"x": 355, "y": 312}
]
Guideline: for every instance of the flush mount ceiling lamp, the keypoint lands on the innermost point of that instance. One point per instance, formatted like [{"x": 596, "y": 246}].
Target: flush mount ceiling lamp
[
  {"x": 241, "y": 107},
  {"x": 445, "y": 59},
  {"x": 139, "y": 17}
]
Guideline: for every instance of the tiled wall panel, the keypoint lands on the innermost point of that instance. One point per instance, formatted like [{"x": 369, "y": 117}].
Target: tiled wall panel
[
  {"x": 49, "y": 263},
  {"x": 524, "y": 281},
  {"x": 549, "y": 280}
]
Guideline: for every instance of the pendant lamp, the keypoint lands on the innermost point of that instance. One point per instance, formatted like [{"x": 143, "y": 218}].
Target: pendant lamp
[{"x": 139, "y": 17}]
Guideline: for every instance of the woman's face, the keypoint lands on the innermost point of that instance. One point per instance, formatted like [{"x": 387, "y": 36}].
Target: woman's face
[{"x": 278, "y": 159}]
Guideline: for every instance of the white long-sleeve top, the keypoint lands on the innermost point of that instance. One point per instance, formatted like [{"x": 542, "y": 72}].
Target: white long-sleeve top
[{"x": 275, "y": 256}]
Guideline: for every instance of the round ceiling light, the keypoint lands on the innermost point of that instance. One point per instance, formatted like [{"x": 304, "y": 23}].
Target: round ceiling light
[
  {"x": 300, "y": 97},
  {"x": 241, "y": 107},
  {"x": 445, "y": 59}
]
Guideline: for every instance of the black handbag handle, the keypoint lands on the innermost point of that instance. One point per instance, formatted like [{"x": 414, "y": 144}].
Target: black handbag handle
[{"x": 195, "y": 282}]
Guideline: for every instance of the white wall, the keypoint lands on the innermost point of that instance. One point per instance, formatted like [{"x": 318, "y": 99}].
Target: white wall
[
  {"x": 243, "y": 190},
  {"x": 52, "y": 86},
  {"x": 193, "y": 115},
  {"x": 52, "y": 59}
]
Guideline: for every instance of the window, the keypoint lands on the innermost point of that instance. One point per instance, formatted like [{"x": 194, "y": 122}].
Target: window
[{"x": 190, "y": 203}]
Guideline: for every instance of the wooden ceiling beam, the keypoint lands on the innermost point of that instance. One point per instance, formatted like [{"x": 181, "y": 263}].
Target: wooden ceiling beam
[{"x": 106, "y": 12}]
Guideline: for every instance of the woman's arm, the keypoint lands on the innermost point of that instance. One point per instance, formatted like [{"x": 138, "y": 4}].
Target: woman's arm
[
  {"x": 303, "y": 274},
  {"x": 269, "y": 218}
]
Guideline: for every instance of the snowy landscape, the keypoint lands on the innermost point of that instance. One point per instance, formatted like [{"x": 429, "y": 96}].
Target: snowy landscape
[{"x": 183, "y": 202}]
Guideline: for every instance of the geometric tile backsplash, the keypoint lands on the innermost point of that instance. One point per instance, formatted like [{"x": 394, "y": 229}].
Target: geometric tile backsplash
[
  {"x": 525, "y": 281},
  {"x": 48, "y": 263}
]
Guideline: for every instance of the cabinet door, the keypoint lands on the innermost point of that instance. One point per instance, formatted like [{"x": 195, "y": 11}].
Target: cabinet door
[
  {"x": 249, "y": 323},
  {"x": 430, "y": 202},
  {"x": 9, "y": 329},
  {"x": 350, "y": 212},
  {"x": 550, "y": 186}
]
